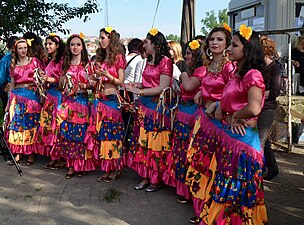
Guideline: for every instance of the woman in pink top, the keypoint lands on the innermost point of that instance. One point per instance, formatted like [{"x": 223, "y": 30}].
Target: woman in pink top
[
  {"x": 105, "y": 133},
  {"x": 24, "y": 104},
  {"x": 231, "y": 183},
  {"x": 151, "y": 138},
  {"x": 185, "y": 118},
  {"x": 53, "y": 71},
  {"x": 73, "y": 113},
  {"x": 219, "y": 71}
]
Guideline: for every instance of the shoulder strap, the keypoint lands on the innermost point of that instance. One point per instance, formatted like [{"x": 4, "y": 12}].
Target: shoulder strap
[{"x": 131, "y": 60}]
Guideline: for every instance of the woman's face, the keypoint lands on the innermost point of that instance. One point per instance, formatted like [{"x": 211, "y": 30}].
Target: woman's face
[
  {"x": 149, "y": 47},
  {"x": 76, "y": 46},
  {"x": 236, "y": 49},
  {"x": 217, "y": 42},
  {"x": 21, "y": 49},
  {"x": 104, "y": 40},
  {"x": 51, "y": 46},
  {"x": 188, "y": 57}
]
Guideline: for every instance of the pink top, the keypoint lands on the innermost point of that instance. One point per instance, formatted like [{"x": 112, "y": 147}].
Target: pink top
[
  {"x": 151, "y": 73},
  {"x": 235, "y": 93},
  {"x": 120, "y": 63},
  {"x": 199, "y": 73},
  {"x": 24, "y": 74},
  {"x": 214, "y": 83},
  {"x": 78, "y": 74},
  {"x": 54, "y": 70}
]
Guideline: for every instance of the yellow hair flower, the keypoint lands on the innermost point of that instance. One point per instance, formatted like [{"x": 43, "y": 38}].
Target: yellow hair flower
[
  {"x": 52, "y": 34},
  {"x": 29, "y": 41},
  {"x": 194, "y": 45},
  {"x": 153, "y": 31},
  {"x": 81, "y": 35},
  {"x": 245, "y": 31},
  {"x": 108, "y": 29},
  {"x": 226, "y": 27}
]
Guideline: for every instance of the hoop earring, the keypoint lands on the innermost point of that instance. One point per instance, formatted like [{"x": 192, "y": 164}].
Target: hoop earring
[
  {"x": 209, "y": 53},
  {"x": 224, "y": 52}
]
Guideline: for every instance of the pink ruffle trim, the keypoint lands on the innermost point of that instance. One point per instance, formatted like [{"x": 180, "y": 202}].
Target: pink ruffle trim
[
  {"x": 185, "y": 118},
  {"x": 26, "y": 149},
  {"x": 32, "y": 106},
  {"x": 169, "y": 179},
  {"x": 183, "y": 190},
  {"x": 111, "y": 165},
  {"x": 81, "y": 165}
]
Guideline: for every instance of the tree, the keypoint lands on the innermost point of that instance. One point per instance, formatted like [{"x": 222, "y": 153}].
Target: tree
[
  {"x": 19, "y": 16},
  {"x": 211, "y": 20},
  {"x": 172, "y": 37}
]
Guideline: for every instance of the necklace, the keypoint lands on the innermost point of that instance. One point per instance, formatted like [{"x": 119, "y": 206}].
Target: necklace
[{"x": 212, "y": 69}]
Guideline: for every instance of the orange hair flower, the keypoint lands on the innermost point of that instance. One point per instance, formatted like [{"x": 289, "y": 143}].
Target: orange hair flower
[
  {"x": 153, "y": 31},
  {"x": 81, "y": 35},
  {"x": 245, "y": 31},
  {"x": 194, "y": 45},
  {"x": 226, "y": 27}
]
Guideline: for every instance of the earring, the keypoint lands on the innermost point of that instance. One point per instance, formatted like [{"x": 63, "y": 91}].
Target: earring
[
  {"x": 224, "y": 53},
  {"x": 209, "y": 53}
]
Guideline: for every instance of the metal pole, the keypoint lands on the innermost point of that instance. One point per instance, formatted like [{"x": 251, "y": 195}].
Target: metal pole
[{"x": 289, "y": 126}]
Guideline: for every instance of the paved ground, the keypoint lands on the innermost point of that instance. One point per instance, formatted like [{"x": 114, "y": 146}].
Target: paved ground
[{"x": 45, "y": 197}]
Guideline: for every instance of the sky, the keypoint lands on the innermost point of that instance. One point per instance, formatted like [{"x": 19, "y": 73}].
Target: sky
[{"x": 134, "y": 18}]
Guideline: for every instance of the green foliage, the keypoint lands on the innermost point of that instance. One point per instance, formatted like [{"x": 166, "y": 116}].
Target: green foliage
[
  {"x": 212, "y": 20},
  {"x": 173, "y": 37},
  {"x": 19, "y": 16}
]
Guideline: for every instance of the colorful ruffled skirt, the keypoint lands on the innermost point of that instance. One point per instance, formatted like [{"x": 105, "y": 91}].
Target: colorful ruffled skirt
[
  {"x": 151, "y": 139},
  {"x": 72, "y": 122},
  {"x": 24, "y": 117},
  {"x": 177, "y": 159},
  {"x": 105, "y": 134},
  {"x": 48, "y": 128},
  {"x": 225, "y": 174}
]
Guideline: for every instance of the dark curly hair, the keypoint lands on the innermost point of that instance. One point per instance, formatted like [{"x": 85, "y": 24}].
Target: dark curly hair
[
  {"x": 115, "y": 48},
  {"x": 161, "y": 47},
  {"x": 60, "y": 51},
  {"x": 253, "y": 55},
  {"x": 68, "y": 54}
]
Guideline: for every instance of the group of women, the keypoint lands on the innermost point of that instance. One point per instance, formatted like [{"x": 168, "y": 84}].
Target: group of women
[{"x": 200, "y": 138}]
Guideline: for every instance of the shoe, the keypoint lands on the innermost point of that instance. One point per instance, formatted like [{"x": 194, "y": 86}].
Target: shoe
[
  {"x": 58, "y": 165},
  {"x": 182, "y": 200},
  {"x": 69, "y": 176},
  {"x": 81, "y": 174},
  {"x": 270, "y": 176},
  {"x": 153, "y": 187},
  {"x": 195, "y": 220},
  {"x": 30, "y": 160},
  {"x": 49, "y": 165},
  {"x": 141, "y": 186},
  {"x": 99, "y": 179},
  {"x": 29, "y": 163}
]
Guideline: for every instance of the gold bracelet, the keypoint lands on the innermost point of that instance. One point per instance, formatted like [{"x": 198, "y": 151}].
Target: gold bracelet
[{"x": 141, "y": 92}]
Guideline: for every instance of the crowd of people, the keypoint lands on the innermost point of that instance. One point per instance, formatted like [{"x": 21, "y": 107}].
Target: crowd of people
[{"x": 196, "y": 121}]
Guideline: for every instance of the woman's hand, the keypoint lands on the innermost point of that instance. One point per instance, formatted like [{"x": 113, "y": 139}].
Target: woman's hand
[
  {"x": 237, "y": 125},
  {"x": 219, "y": 113},
  {"x": 62, "y": 82},
  {"x": 211, "y": 109},
  {"x": 198, "y": 99},
  {"x": 136, "y": 84},
  {"x": 132, "y": 89}
]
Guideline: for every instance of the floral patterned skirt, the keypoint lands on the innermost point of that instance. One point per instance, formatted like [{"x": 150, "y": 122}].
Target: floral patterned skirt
[
  {"x": 105, "y": 134},
  {"x": 225, "y": 174},
  {"x": 151, "y": 140},
  {"x": 177, "y": 158},
  {"x": 48, "y": 128},
  {"x": 23, "y": 124},
  {"x": 72, "y": 122}
]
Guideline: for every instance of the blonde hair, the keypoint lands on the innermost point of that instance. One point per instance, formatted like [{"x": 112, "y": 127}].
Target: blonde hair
[
  {"x": 298, "y": 42},
  {"x": 177, "y": 51}
]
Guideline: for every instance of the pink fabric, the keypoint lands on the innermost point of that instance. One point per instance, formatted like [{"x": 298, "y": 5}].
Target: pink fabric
[
  {"x": 213, "y": 83},
  {"x": 199, "y": 73},
  {"x": 152, "y": 73},
  {"x": 235, "y": 93},
  {"x": 120, "y": 63},
  {"x": 26, "y": 149},
  {"x": 54, "y": 70},
  {"x": 24, "y": 74},
  {"x": 78, "y": 74},
  {"x": 81, "y": 165}
]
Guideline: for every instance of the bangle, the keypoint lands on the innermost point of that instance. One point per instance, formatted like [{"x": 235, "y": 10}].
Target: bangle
[
  {"x": 141, "y": 92},
  {"x": 112, "y": 80}
]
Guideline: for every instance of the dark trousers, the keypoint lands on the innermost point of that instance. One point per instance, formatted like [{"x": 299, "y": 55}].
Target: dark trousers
[
  {"x": 264, "y": 124},
  {"x": 4, "y": 99}
]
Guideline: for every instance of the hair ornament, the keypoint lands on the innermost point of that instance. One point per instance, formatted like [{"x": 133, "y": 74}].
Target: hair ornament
[
  {"x": 108, "y": 29},
  {"x": 29, "y": 41},
  {"x": 226, "y": 27},
  {"x": 52, "y": 34},
  {"x": 55, "y": 36},
  {"x": 81, "y": 35},
  {"x": 245, "y": 31},
  {"x": 194, "y": 45},
  {"x": 153, "y": 31}
]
